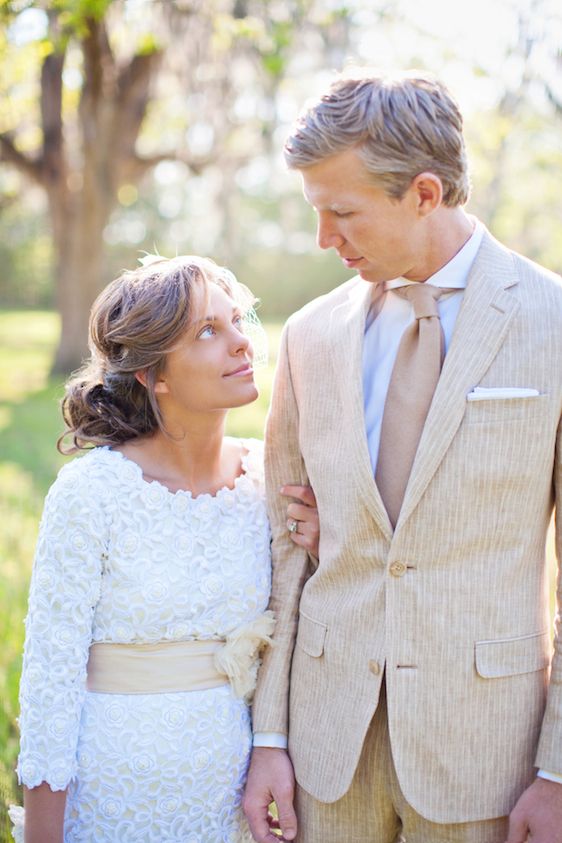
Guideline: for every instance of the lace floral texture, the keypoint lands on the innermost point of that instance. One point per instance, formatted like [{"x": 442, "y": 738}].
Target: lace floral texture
[{"x": 123, "y": 560}]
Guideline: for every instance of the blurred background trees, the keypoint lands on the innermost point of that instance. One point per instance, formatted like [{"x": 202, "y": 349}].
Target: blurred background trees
[
  {"x": 129, "y": 125},
  {"x": 100, "y": 93}
]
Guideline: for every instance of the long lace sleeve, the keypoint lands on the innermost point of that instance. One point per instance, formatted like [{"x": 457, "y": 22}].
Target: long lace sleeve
[{"x": 65, "y": 588}]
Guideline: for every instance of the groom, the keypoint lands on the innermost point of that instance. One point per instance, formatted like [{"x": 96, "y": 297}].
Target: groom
[{"x": 412, "y": 677}]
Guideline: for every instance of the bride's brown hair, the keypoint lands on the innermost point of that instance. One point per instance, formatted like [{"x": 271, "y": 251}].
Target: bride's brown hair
[{"x": 134, "y": 323}]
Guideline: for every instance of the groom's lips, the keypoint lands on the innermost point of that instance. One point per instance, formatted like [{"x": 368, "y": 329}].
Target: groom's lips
[{"x": 351, "y": 262}]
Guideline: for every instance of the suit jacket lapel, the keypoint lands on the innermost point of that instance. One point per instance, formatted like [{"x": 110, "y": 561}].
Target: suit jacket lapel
[
  {"x": 487, "y": 310},
  {"x": 346, "y": 331}
]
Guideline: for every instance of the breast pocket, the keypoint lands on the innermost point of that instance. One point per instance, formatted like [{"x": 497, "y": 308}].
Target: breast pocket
[
  {"x": 512, "y": 656},
  {"x": 506, "y": 409},
  {"x": 505, "y": 445},
  {"x": 311, "y": 636}
]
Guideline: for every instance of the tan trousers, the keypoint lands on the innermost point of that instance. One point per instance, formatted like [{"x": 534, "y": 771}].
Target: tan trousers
[{"x": 374, "y": 809}]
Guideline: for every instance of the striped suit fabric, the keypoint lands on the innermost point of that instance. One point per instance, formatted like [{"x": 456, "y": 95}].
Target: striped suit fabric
[{"x": 452, "y": 605}]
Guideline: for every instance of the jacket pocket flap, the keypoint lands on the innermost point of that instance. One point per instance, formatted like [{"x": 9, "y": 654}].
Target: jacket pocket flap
[
  {"x": 311, "y": 635},
  {"x": 511, "y": 656}
]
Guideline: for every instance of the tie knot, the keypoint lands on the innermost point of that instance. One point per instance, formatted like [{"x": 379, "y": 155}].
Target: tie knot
[{"x": 423, "y": 298}]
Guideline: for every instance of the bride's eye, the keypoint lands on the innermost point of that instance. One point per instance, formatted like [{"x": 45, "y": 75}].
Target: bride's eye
[{"x": 207, "y": 331}]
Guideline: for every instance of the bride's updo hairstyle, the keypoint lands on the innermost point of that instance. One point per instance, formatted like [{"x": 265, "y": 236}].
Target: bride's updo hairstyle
[{"x": 134, "y": 323}]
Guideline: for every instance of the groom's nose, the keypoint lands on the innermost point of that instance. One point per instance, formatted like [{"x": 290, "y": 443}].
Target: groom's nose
[{"x": 327, "y": 234}]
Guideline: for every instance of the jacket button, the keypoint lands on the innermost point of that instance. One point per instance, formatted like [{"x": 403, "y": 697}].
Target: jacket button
[
  {"x": 397, "y": 569},
  {"x": 374, "y": 667}
]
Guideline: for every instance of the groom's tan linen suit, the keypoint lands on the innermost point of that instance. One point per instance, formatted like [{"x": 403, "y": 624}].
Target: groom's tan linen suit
[{"x": 452, "y": 606}]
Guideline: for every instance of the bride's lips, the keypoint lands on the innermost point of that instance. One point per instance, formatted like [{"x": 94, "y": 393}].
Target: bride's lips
[{"x": 241, "y": 371}]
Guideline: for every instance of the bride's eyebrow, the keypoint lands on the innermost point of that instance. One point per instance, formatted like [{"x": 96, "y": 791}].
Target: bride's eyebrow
[{"x": 210, "y": 318}]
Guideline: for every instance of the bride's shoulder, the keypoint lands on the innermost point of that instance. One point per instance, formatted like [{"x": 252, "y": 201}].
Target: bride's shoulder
[
  {"x": 251, "y": 457},
  {"x": 92, "y": 474},
  {"x": 252, "y": 461},
  {"x": 252, "y": 446}
]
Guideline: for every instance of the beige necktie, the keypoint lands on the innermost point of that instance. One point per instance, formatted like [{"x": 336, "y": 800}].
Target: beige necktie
[{"x": 410, "y": 392}]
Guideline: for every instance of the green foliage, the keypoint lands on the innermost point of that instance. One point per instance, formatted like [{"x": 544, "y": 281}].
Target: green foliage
[
  {"x": 274, "y": 59},
  {"x": 10, "y": 8},
  {"x": 147, "y": 45},
  {"x": 74, "y": 14},
  {"x": 271, "y": 36},
  {"x": 25, "y": 253},
  {"x": 286, "y": 282},
  {"x": 28, "y": 462}
]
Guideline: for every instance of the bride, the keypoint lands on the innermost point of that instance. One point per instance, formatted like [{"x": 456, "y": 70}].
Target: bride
[{"x": 148, "y": 598}]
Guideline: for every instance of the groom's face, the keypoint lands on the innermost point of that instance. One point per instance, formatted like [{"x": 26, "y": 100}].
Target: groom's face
[{"x": 374, "y": 234}]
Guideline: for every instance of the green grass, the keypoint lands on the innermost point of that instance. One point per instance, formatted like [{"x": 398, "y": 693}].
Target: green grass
[{"x": 28, "y": 463}]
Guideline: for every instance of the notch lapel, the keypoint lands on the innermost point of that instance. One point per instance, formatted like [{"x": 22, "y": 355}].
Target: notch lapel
[
  {"x": 347, "y": 330},
  {"x": 482, "y": 324}
]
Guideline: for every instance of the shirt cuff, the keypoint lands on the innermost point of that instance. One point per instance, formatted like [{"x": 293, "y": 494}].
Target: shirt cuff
[
  {"x": 271, "y": 739},
  {"x": 552, "y": 777}
]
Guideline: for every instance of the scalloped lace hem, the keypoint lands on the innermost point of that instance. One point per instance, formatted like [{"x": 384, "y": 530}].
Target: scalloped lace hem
[
  {"x": 36, "y": 780},
  {"x": 17, "y": 815}
]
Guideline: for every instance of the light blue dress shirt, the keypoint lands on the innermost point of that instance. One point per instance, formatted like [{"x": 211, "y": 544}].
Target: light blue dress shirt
[{"x": 388, "y": 319}]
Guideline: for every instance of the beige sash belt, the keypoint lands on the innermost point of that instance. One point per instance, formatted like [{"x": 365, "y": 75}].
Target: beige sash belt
[
  {"x": 174, "y": 666},
  {"x": 154, "y": 668}
]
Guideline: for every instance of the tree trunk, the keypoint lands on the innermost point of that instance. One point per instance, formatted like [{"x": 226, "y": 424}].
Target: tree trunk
[
  {"x": 112, "y": 107},
  {"x": 79, "y": 270},
  {"x": 78, "y": 284}
]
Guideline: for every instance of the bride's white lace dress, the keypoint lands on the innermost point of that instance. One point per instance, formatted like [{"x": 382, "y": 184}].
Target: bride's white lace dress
[{"x": 123, "y": 560}]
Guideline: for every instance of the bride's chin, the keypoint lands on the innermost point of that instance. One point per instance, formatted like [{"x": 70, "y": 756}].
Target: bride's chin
[
  {"x": 254, "y": 396},
  {"x": 243, "y": 400}
]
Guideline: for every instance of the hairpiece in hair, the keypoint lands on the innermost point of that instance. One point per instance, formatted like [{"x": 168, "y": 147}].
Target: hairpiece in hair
[
  {"x": 148, "y": 258},
  {"x": 255, "y": 332},
  {"x": 253, "y": 327}
]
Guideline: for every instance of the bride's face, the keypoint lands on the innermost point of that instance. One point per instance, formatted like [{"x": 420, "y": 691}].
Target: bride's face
[{"x": 211, "y": 367}]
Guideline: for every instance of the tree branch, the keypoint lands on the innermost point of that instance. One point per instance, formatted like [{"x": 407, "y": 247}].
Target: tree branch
[
  {"x": 136, "y": 166},
  {"x": 51, "y": 117},
  {"x": 32, "y": 167},
  {"x": 99, "y": 62},
  {"x": 133, "y": 91},
  {"x": 553, "y": 99}
]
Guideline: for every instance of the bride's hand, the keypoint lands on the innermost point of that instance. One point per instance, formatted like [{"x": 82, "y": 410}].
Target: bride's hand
[{"x": 302, "y": 518}]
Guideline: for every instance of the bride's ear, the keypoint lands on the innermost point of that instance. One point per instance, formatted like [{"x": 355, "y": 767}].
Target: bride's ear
[{"x": 160, "y": 386}]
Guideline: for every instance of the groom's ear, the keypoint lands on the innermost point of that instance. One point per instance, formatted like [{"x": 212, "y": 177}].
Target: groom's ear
[{"x": 428, "y": 191}]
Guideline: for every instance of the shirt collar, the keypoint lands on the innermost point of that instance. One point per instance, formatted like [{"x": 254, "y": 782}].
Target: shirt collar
[{"x": 454, "y": 274}]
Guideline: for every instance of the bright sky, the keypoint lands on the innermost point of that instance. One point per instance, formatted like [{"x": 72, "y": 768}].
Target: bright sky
[
  {"x": 466, "y": 44},
  {"x": 450, "y": 37}
]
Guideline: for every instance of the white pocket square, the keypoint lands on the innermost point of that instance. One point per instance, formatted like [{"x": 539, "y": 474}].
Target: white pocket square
[{"x": 481, "y": 393}]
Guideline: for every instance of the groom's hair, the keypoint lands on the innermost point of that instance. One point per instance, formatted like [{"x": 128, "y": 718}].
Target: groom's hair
[{"x": 400, "y": 125}]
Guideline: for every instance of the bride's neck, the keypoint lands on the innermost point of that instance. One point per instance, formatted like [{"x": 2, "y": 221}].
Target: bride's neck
[{"x": 199, "y": 459}]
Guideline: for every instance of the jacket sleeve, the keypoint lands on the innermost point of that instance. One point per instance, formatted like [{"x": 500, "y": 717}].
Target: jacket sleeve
[
  {"x": 283, "y": 464},
  {"x": 65, "y": 587},
  {"x": 549, "y": 754}
]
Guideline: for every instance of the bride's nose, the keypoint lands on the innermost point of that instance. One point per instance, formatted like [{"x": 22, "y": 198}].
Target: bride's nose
[{"x": 240, "y": 342}]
